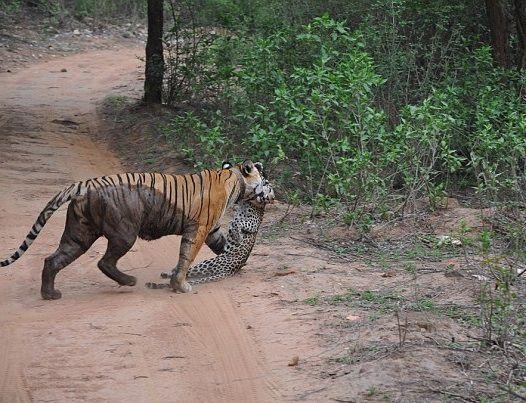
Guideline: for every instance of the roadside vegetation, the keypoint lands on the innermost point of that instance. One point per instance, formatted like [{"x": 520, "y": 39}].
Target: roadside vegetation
[
  {"x": 366, "y": 105},
  {"x": 61, "y": 10}
]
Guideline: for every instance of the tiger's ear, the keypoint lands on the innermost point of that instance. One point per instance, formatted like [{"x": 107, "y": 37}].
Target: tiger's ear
[
  {"x": 226, "y": 165},
  {"x": 247, "y": 167},
  {"x": 259, "y": 167}
]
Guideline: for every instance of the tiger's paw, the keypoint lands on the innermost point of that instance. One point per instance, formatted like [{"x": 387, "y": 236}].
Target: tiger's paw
[
  {"x": 129, "y": 281},
  {"x": 183, "y": 286},
  {"x": 50, "y": 295}
]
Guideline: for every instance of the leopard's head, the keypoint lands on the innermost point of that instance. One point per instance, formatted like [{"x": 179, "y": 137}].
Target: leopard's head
[
  {"x": 257, "y": 188},
  {"x": 265, "y": 193}
]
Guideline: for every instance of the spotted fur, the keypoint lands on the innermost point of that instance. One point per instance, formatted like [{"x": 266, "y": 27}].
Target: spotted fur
[{"x": 238, "y": 243}]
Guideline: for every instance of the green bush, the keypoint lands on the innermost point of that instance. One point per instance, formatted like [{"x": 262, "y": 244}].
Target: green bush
[
  {"x": 306, "y": 100},
  {"x": 472, "y": 126},
  {"x": 104, "y": 9},
  {"x": 99, "y": 9},
  {"x": 322, "y": 116},
  {"x": 10, "y": 6},
  {"x": 316, "y": 113},
  {"x": 202, "y": 144}
]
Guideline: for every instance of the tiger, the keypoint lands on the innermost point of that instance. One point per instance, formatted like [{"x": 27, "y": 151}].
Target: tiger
[
  {"x": 125, "y": 206},
  {"x": 237, "y": 244}
]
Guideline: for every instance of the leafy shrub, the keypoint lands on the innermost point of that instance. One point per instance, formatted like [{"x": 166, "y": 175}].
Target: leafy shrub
[
  {"x": 474, "y": 126},
  {"x": 322, "y": 115},
  {"x": 10, "y": 6},
  {"x": 99, "y": 9},
  {"x": 189, "y": 134},
  {"x": 316, "y": 112},
  {"x": 104, "y": 9},
  {"x": 305, "y": 100}
]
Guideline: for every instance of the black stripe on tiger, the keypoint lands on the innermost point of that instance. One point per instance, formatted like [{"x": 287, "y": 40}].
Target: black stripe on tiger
[
  {"x": 201, "y": 191},
  {"x": 174, "y": 209},
  {"x": 208, "y": 210},
  {"x": 185, "y": 192},
  {"x": 163, "y": 177}
]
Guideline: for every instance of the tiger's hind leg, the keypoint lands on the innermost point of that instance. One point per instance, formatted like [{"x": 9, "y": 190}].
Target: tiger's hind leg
[
  {"x": 118, "y": 246},
  {"x": 65, "y": 254},
  {"x": 77, "y": 238}
]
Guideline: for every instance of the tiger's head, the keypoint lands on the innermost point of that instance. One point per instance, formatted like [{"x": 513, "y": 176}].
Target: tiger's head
[{"x": 257, "y": 187}]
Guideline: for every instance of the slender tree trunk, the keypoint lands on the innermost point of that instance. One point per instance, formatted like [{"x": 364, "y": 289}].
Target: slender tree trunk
[
  {"x": 153, "y": 83},
  {"x": 520, "y": 16},
  {"x": 499, "y": 31}
]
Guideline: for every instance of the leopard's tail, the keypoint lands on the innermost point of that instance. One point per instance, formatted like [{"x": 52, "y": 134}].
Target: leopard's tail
[{"x": 60, "y": 198}]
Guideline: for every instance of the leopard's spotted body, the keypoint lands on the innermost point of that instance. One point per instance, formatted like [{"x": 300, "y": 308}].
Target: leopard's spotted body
[{"x": 239, "y": 242}]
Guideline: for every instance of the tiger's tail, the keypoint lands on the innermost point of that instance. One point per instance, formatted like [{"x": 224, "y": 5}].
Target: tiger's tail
[{"x": 60, "y": 198}]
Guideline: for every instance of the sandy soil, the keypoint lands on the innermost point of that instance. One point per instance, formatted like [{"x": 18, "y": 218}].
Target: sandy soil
[{"x": 100, "y": 342}]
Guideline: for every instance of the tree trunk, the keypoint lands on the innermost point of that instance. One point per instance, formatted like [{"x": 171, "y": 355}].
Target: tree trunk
[
  {"x": 499, "y": 31},
  {"x": 520, "y": 16},
  {"x": 153, "y": 83}
]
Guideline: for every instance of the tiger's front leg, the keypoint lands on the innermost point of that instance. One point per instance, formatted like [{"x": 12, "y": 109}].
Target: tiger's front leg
[
  {"x": 215, "y": 240},
  {"x": 190, "y": 244}
]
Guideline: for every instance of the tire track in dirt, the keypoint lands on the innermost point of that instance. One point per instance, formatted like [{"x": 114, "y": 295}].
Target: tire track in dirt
[
  {"x": 100, "y": 342},
  {"x": 12, "y": 382}
]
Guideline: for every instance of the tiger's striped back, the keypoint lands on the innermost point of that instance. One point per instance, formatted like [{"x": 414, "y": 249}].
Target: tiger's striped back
[{"x": 166, "y": 203}]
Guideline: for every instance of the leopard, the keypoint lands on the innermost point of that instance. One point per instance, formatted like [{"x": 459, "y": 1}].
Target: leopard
[{"x": 237, "y": 244}]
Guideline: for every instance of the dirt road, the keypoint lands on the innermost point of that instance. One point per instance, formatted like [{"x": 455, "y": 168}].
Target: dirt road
[{"x": 100, "y": 342}]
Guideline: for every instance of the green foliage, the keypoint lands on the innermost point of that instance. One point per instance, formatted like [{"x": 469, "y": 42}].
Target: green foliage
[
  {"x": 11, "y": 6},
  {"x": 321, "y": 115},
  {"x": 316, "y": 111},
  {"x": 416, "y": 44},
  {"x": 502, "y": 309},
  {"x": 105, "y": 9},
  {"x": 474, "y": 124},
  {"x": 312, "y": 301},
  {"x": 98, "y": 9},
  {"x": 501, "y": 300},
  {"x": 384, "y": 302},
  {"x": 224, "y": 13},
  {"x": 189, "y": 130},
  {"x": 361, "y": 119}
]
